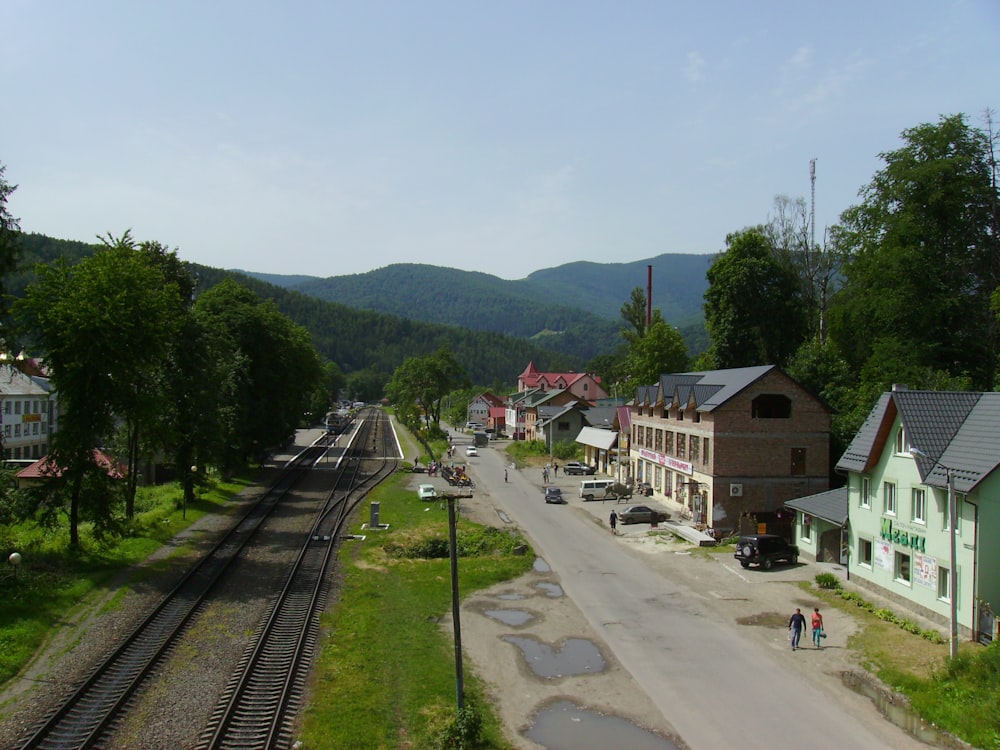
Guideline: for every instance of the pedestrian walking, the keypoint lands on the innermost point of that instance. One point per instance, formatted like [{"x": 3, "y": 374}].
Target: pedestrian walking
[
  {"x": 817, "y": 624},
  {"x": 555, "y": 470},
  {"x": 613, "y": 520},
  {"x": 796, "y": 624},
  {"x": 545, "y": 475},
  {"x": 505, "y": 475}
]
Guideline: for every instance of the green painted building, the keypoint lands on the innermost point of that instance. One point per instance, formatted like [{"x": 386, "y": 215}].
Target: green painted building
[{"x": 914, "y": 451}]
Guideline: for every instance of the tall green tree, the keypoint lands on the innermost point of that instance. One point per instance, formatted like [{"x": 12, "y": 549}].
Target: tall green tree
[
  {"x": 9, "y": 229},
  {"x": 754, "y": 309},
  {"x": 104, "y": 327},
  {"x": 423, "y": 382},
  {"x": 269, "y": 371},
  {"x": 660, "y": 350},
  {"x": 922, "y": 256}
]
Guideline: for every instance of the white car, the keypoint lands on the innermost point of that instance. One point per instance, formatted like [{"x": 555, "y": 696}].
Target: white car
[
  {"x": 471, "y": 450},
  {"x": 427, "y": 492}
]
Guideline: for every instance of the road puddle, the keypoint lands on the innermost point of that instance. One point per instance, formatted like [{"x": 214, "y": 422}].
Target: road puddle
[
  {"x": 577, "y": 656},
  {"x": 541, "y": 566},
  {"x": 513, "y": 617},
  {"x": 552, "y": 590},
  {"x": 565, "y": 726}
]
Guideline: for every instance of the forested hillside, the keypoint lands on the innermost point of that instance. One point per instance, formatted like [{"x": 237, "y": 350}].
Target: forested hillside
[
  {"x": 356, "y": 340},
  {"x": 575, "y": 308}
]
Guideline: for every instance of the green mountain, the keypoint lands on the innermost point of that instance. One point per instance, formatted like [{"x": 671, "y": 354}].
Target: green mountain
[
  {"x": 573, "y": 308},
  {"x": 357, "y": 340}
]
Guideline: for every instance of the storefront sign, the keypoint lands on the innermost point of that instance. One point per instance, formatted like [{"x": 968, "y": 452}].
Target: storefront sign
[
  {"x": 902, "y": 537},
  {"x": 682, "y": 467}
]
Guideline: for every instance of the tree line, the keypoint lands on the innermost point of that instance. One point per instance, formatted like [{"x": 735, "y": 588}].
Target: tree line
[
  {"x": 146, "y": 364},
  {"x": 903, "y": 290}
]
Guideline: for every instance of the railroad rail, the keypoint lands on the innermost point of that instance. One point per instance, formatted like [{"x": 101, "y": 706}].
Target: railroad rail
[
  {"x": 86, "y": 716},
  {"x": 260, "y": 703}
]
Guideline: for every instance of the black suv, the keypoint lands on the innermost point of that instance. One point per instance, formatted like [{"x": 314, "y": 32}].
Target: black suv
[
  {"x": 575, "y": 467},
  {"x": 765, "y": 550}
]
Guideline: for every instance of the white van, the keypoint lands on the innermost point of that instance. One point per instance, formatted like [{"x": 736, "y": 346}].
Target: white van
[{"x": 591, "y": 488}]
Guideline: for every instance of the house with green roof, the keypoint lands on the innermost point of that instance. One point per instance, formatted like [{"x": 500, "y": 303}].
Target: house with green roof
[{"x": 899, "y": 466}]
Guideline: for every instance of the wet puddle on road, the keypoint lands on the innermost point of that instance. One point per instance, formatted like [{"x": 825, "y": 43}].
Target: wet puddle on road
[
  {"x": 577, "y": 656},
  {"x": 541, "y": 566},
  {"x": 511, "y": 597},
  {"x": 552, "y": 590},
  {"x": 566, "y": 726},
  {"x": 513, "y": 617}
]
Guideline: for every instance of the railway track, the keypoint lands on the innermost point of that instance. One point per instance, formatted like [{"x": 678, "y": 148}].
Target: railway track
[
  {"x": 86, "y": 717},
  {"x": 263, "y": 698}
]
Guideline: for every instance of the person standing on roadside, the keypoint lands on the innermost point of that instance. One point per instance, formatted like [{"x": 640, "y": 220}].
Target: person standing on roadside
[
  {"x": 817, "y": 624},
  {"x": 504, "y": 475},
  {"x": 796, "y": 624},
  {"x": 613, "y": 520}
]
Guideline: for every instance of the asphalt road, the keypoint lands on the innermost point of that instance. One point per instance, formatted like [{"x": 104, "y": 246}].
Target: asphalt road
[{"x": 712, "y": 682}]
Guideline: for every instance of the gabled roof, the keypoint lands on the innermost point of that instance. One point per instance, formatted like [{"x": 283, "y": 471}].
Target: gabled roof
[
  {"x": 44, "y": 468},
  {"x": 709, "y": 389},
  {"x": 13, "y": 382},
  {"x": 831, "y": 505},
  {"x": 602, "y": 417},
  {"x": 954, "y": 430},
  {"x": 490, "y": 398}
]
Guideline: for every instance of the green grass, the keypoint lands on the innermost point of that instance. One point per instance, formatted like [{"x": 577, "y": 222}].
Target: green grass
[
  {"x": 388, "y": 664},
  {"x": 54, "y": 580},
  {"x": 960, "y": 696}
]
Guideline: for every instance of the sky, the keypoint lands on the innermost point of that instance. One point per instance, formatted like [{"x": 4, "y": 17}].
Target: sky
[{"x": 333, "y": 138}]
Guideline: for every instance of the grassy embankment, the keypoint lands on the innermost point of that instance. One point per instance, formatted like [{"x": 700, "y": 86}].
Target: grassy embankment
[
  {"x": 55, "y": 582},
  {"x": 386, "y": 673}
]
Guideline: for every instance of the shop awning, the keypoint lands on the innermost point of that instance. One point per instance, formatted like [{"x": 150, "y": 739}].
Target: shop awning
[{"x": 595, "y": 437}]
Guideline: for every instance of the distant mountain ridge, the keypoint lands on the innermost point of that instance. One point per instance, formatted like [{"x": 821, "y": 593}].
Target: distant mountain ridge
[{"x": 580, "y": 301}]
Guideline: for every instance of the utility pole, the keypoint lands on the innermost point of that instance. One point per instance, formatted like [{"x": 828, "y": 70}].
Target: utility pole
[{"x": 455, "y": 613}]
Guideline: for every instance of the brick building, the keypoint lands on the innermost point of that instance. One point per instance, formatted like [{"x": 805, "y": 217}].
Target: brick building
[{"x": 717, "y": 443}]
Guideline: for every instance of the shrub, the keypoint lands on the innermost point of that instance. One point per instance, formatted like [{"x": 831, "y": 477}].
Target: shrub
[
  {"x": 464, "y": 731},
  {"x": 827, "y": 581}
]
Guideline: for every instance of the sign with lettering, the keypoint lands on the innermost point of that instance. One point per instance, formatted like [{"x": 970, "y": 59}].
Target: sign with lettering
[
  {"x": 670, "y": 462},
  {"x": 902, "y": 537}
]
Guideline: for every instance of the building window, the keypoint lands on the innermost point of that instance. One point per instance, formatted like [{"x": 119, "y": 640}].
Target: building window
[
  {"x": 17, "y": 430},
  {"x": 864, "y": 552},
  {"x": 902, "y": 568},
  {"x": 771, "y": 406},
  {"x": 889, "y": 498},
  {"x": 806, "y": 524},
  {"x": 681, "y": 442},
  {"x": 6, "y": 407},
  {"x": 944, "y": 584},
  {"x": 669, "y": 445},
  {"x": 658, "y": 446},
  {"x": 919, "y": 506},
  {"x": 704, "y": 451},
  {"x": 6, "y": 430},
  {"x": 17, "y": 407},
  {"x": 902, "y": 443},
  {"x": 693, "y": 448},
  {"x": 798, "y": 467},
  {"x": 866, "y": 493}
]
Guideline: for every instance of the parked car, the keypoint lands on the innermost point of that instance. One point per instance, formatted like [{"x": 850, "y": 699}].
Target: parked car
[
  {"x": 575, "y": 467},
  {"x": 554, "y": 495},
  {"x": 642, "y": 514},
  {"x": 765, "y": 550},
  {"x": 427, "y": 492},
  {"x": 471, "y": 450}
]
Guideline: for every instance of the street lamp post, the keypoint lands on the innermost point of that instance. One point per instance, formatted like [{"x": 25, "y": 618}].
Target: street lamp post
[
  {"x": 953, "y": 573},
  {"x": 953, "y": 555}
]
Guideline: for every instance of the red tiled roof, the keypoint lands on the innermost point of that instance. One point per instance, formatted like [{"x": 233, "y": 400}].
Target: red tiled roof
[{"x": 43, "y": 468}]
